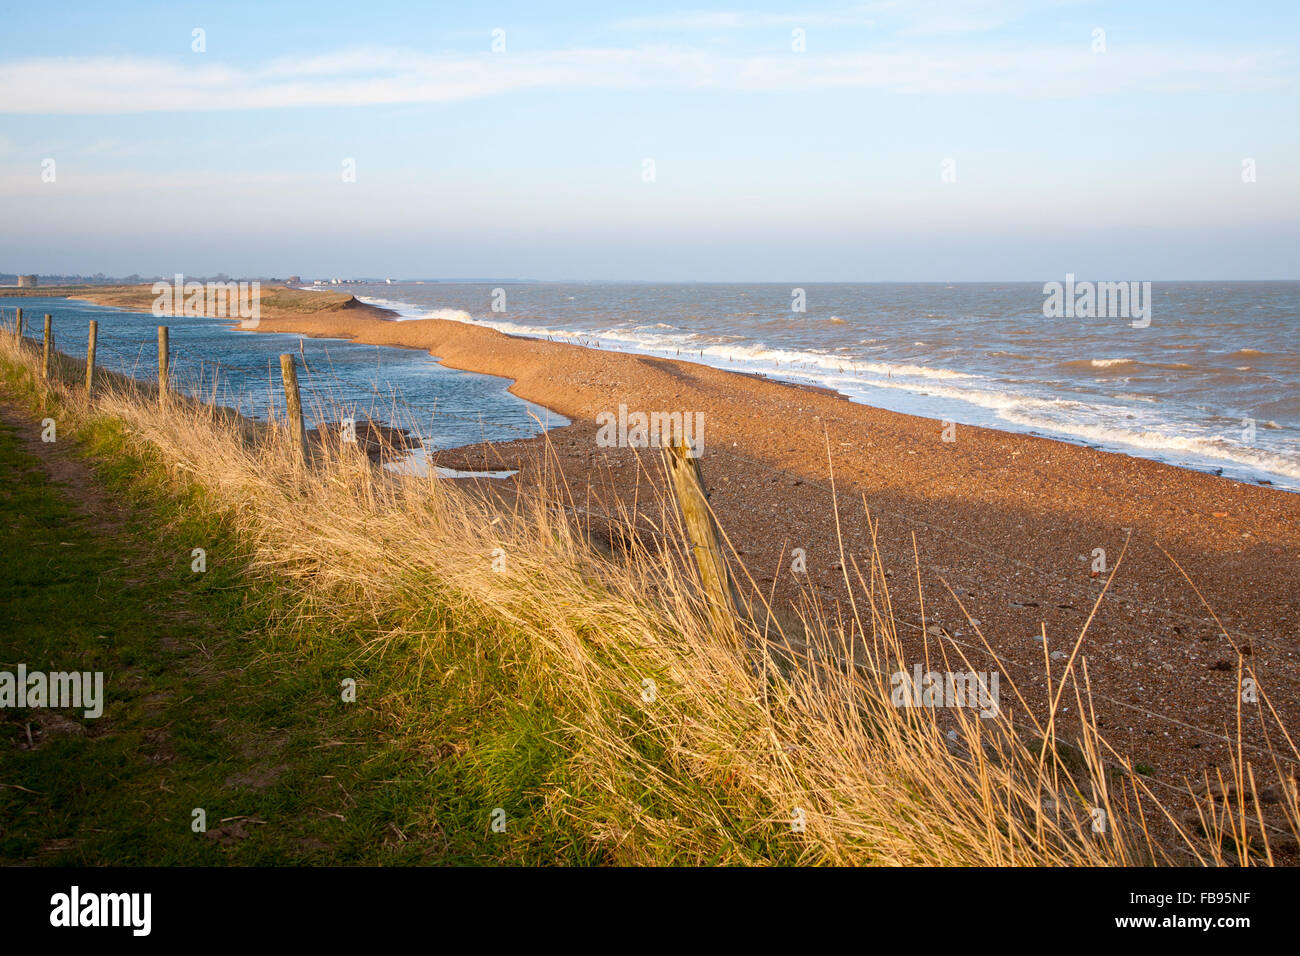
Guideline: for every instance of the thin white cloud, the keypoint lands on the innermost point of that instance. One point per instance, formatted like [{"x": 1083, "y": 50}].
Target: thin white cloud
[
  {"x": 904, "y": 18},
  {"x": 741, "y": 20},
  {"x": 934, "y": 17},
  {"x": 361, "y": 77}
]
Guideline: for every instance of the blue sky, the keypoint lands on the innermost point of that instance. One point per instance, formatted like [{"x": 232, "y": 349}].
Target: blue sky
[{"x": 769, "y": 163}]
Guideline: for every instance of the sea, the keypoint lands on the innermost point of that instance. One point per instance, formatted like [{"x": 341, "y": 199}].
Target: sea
[{"x": 1209, "y": 380}]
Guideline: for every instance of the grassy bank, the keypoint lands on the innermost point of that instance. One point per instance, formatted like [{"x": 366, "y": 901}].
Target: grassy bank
[
  {"x": 219, "y": 696},
  {"x": 521, "y": 697}
]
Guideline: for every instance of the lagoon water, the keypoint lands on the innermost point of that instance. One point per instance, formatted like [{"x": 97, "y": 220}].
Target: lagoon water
[
  {"x": 241, "y": 369},
  {"x": 1213, "y": 382}
]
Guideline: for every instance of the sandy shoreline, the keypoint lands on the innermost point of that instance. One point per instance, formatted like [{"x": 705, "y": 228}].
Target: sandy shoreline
[{"x": 1009, "y": 521}]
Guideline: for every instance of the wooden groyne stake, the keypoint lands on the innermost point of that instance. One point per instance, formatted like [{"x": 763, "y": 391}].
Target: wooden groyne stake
[
  {"x": 45, "y": 355},
  {"x": 688, "y": 480},
  {"x": 90, "y": 355},
  {"x": 293, "y": 404},
  {"x": 163, "y": 360}
]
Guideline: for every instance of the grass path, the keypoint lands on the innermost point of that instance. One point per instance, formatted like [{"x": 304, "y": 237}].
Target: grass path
[{"x": 200, "y": 711}]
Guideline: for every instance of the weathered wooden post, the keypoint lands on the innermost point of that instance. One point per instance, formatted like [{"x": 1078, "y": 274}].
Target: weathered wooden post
[
  {"x": 688, "y": 480},
  {"x": 45, "y": 355},
  {"x": 293, "y": 405},
  {"x": 90, "y": 355},
  {"x": 163, "y": 360},
  {"x": 18, "y": 325}
]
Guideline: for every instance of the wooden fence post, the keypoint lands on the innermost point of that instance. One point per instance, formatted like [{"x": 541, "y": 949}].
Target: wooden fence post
[
  {"x": 90, "y": 355},
  {"x": 293, "y": 404},
  {"x": 45, "y": 355},
  {"x": 163, "y": 360},
  {"x": 18, "y": 325},
  {"x": 688, "y": 480}
]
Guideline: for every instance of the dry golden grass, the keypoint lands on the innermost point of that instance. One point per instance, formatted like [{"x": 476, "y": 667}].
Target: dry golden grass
[{"x": 776, "y": 744}]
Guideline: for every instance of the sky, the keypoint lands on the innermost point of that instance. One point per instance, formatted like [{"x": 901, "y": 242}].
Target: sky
[{"x": 879, "y": 141}]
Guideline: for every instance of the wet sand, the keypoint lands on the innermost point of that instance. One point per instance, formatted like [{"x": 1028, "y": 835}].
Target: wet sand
[{"x": 1009, "y": 522}]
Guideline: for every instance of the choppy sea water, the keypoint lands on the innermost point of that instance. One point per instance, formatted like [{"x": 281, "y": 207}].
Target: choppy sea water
[
  {"x": 1213, "y": 382},
  {"x": 241, "y": 369}
]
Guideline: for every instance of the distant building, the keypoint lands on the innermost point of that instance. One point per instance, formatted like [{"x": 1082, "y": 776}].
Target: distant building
[
  {"x": 293, "y": 280},
  {"x": 27, "y": 282}
]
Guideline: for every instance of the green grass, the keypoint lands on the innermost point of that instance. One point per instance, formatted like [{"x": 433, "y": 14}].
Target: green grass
[{"x": 219, "y": 699}]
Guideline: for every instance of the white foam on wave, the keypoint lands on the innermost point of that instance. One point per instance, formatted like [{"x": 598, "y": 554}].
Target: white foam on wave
[
  {"x": 750, "y": 357},
  {"x": 1105, "y": 425},
  {"x": 395, "y": 305},
  {"x": 450, "y": 315},
  {"x": 1211, "y": 447},
  {"x": 407, "y": 311}
]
